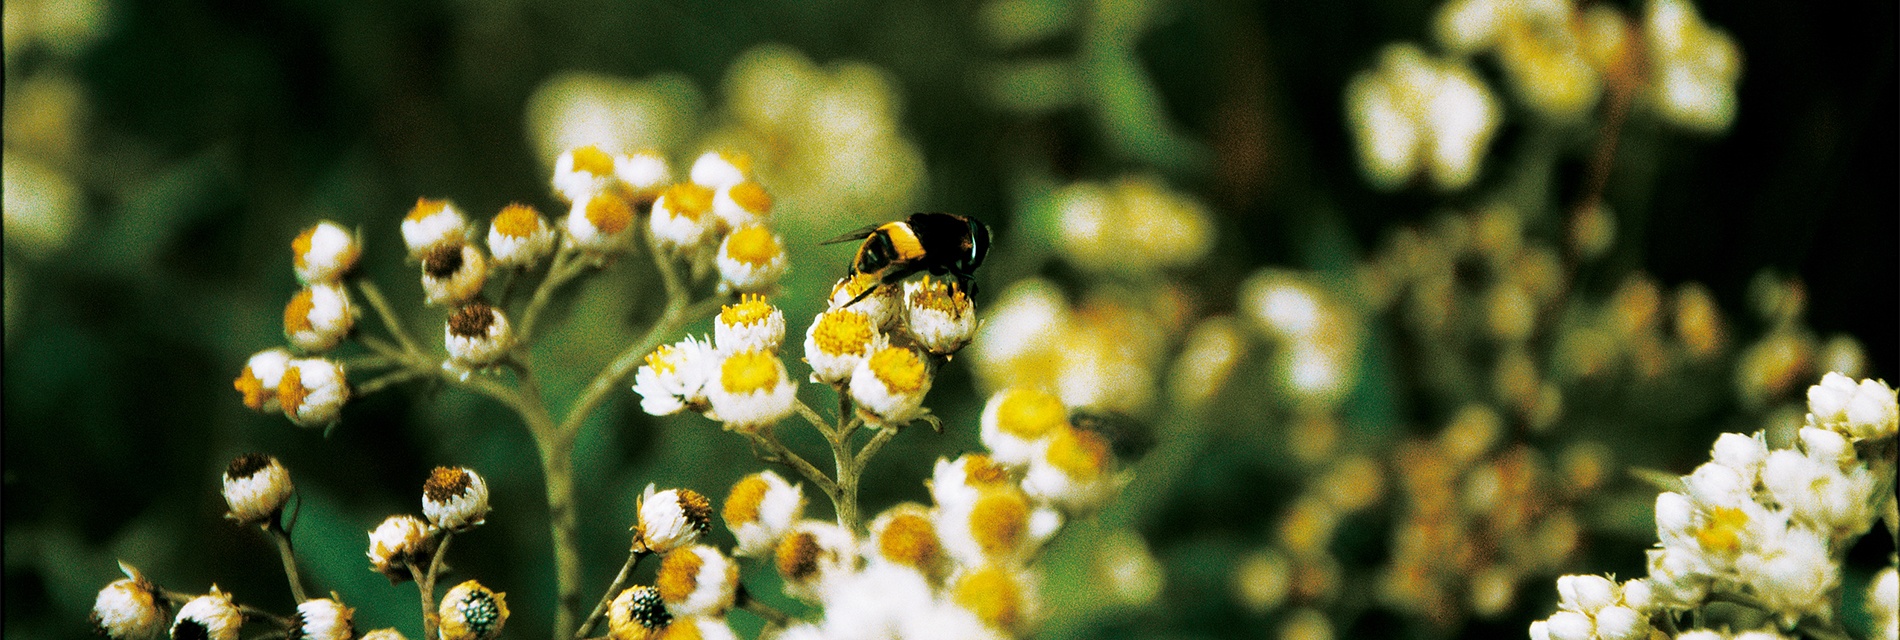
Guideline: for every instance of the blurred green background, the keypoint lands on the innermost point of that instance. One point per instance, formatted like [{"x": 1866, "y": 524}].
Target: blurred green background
[{"x": 194, "y": 139}]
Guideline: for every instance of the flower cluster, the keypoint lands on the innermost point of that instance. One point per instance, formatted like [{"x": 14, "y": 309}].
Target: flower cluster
[
  {"x": 1417, "y": 114},
  {"x": 1133, "y": 224},
  {"x": 1102, "y": 353},
  {"x": 310, "y": 390}
]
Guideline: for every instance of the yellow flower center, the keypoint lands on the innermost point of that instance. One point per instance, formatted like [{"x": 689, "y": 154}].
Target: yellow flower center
[
  {"x": 749, "y": 372},
  {"x": 290, "y": 389},
  {"x": 751, "y": 310},
  {"x": 688, "y": 200},
  {"x": 754, "y": 245},
  {"x": 679, "y": 575},
  {"x": 900, "y": 369},
  {"x": 991, "y": 594},
  {"x": 1723, "y": 533},
  {"x": 609, "y": 213},
  {"x": 751, "y": 197},
  {"x": 297, "y": 313},
  {"x": 843, "y": 332},
  {"x": 517, "y": 221},
  {"x": 855, "y": 285},
  {"x": 910, "y": 540},
  {"x": 301, "y": 245},
  {"x": 1030, "y": 413},
  {"x": 446, "y": 483},
  {"x": 591, "y": 159},
  {"x": 742, "y": 505},
  {"x": 425, "y": 208},
  {"x": 252, "y": 388},
  {"x": 999, "y": 521},
  {"x": 940, "y": 296},
  {"x": 681, "y": 628},
  {"x": 1079, "y": 453},
  {"x": 797, "y": 556},
  {"x": 979, "y": 469},
  {"x": 663, "y": 359}
]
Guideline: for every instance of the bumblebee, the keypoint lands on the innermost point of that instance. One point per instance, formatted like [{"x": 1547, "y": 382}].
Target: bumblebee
[{"x": 940, "y": 243}]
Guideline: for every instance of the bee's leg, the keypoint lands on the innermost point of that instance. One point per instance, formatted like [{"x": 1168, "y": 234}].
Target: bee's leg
[{"x": 861, "y": 295}]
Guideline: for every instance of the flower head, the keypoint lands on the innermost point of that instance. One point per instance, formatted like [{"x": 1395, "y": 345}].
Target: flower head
[
  {"x": 751, "y": 259},
  {"x": 1864, "y": 410},
  {"x": 992, "y": 528},
  {"x": 956, "y": 484},
  {"x": 431, "y": 225},
  {"x": 645, "y": 174},
  {"x": 890, "y": 385},
  {"x": 453, "y": 274},
  {"x": 751, "y": 390},
  {"x": 675, "y": 376},
  {"x": 312, "y": 391},
  {"x": 323, "y": 619},
  {"x": 838, "y": 341},
  {"x": 1419, "y": 114},
  {"x": 129, "y": 608},
  {"x": 1017, "y": 420},
  {"x": 697, "y": 580},
  {"x": 455, "y": 498},
  {"x": 906, "y": 535},
  {"x": 519, "y": 236},
  {"x": 742, "y": 204},
  {"x": 637, "y": 613},
  {"x": 1074, "y": 470},
  {"x": 324, "y": 253},
  {"x": 477, "y": 335},
  {"x": 938, "y": 316},
  {"x": 760, "y": 509},
  {"x": 716, "y": 169},
  {"x": 671, "y": 519},
  {"x": 256, "y": 486},
  {"x": 399, "y": 542},
  {"x": 813, "y": 556},
  {"x": 258, "y": 382},
  {"x": 750, "y": 325},
  {"x": 881, "y": 305},
  {"x": 682, "y": 217},
  {"x": 1002, "y": 598},
  {"x": 582, "y": 172},
  {"x": 601, "y": 223},
  {"x": 471, "y": 611},
  {"x": 318, "y": 317},
  {"x": 213, "y": 616}
]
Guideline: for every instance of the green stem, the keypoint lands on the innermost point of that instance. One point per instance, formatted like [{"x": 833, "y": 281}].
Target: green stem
[
  {"x": 374, "y": 295},
  {"x": 870, "y": 448},
  {"x": 387, "y": 380},
  {"x": 566, "y": 264},
  {"x": 613, "y": 591},
  {"x": 282, "y": 538},
  {"x": 781, "y": 454},
  {"x": 772, "y": 616}
]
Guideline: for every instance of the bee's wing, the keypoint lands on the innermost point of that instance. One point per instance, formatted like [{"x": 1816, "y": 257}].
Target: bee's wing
[{"x": 855, "y": 235}]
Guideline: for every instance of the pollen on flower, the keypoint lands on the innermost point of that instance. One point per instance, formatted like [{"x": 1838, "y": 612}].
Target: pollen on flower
[
  {"x": 797, "y": 556},
  {"x": 445, "y": 483},
  {"x": 751, "y": 309},
  {"x": 290, "y": 390},
  {"x": 843, "y": 332},
  {"x": 688, "y": 200},
  {"x": 297, "y": 313},
  {"x": 750, "y": 371},
  {"x": 981, "y": 469},
  {"x": 300, "y": 246},
  {"x": 679, "y": 575},
  {"x": 911, "y": 540},
  {"x": 1030, "y": 414},
  {"x": 991, "y": 594},
  {"x": 751, "y": 196},
  {"x": 663, "y": 358},
  {"x": 999, "y": 521},
  {"x": 940, "y": 296},
  {"x": 609, "y": 213},
  {"x": 1723, "y": 533},
  {"x": 900, "y": 369},
  {"x": 517, "y": 221},
  {"x": 472, "y": 320},
  {"x": 255, "y": 395},
  {"x": 746, "y": 498},
  {"x": 1080, "y": 453},
  {"x": 425, "y": 208},
  {"x": 753, "y": 245},
  {"x": 592, "y": 160}
]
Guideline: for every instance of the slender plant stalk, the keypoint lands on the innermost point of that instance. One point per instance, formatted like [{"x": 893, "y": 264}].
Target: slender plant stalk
[
  {"x": 374, "y": 295},
  {"x": 772, "y": 616},
  {"x": 613, "y": 591},
  {"x": 425, "y": 584},
  {"x": 282, "y": 538}
]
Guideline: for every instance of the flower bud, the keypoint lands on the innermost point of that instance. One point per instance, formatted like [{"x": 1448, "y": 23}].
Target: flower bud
[
  {"x": 519, "y": 236},
  {"x": 258, "y": 382},
  {"x": 312, "y": 391},
  {"x": 323, "y": 619},
  {"x": 452, "y": 275},
  {"x": 838, "y": 341},
  {"x": 750, "y": 325},
  {"x": 212, "y": 616},
  {"x": 601, "y": 223},
  {"x": 1570, "y": 625},
  {"x": 471, "y": 611},
  {"x": 324, "y": 253},
  {"x": 637, "y": 613},
  {"x": 319, "y": 317},
  {"x": 751, "y": 259},
  {"x": 671, "y": 519},
  {"x": 455, "y": 498},
  {"x": 938, "y": 316},
  {"x": 256, "y": 486},
  {"x": 129, "y": 608},
  {"x": 397, "y": 543},
  {"x": 751, "y": 391},
  {"x": 890, "y": 386},
  {"x": 716, "y": 169},
  {"x": 682, "y": 217},
  {"x": 432, "y": 225},
  {"x": 760, "y": 509},
  {"x": 697, "y": 580},
  {"x": 477, "y": 335}
]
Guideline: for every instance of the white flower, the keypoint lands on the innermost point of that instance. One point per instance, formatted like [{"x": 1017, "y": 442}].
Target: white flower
[
  {"x": 1741, "y": 453},
  {"x": 675, "y": 376},
  {"x": 477, "y": 335},
  {"x": 312, "y": 391},
  {"x": 256, "y": 487},
  {"x": 881, "y": 304},
  {"x": 432, "y": 225},
  {"x": 519, "y": 236},
  {"x": 1794, "y": 578},
  {"x": 760, "y": 509},
  {"x": 1818, "y": 493},
  {"x": 1415, "y": 113},
  {"x": 258, "y": 382},
  {"x": 455, "y": 498},
  {"x": 1002, "y": 597},
  {"x": 1570, "y": 625},
  {"x": 946, "y": 621},
  {"x": 129, "y": 609},
  {"x": 992, "y": 528},
  {"x": 715, "y": 169},
  {"x": 212, "y": 616},
  {"x": 956, "y": 484},
  {"x": 751, "y": 259},
  {"x": 906, "y": 535},
  {"x": 813, "y": 557},
  {"x": 682, "y": 217},
  {"x": 600, "y": 223},
  {"x": 582, "y": 172},
  {"x": 1585, "y": 594},
  {"x": 1017, "y": 421},
  {"x": 838, "y": 341},
  {"x": 1637, "y": 595},
  {"x": 1865, "y": 410},
  {"x": 398, "y": 542},
  {"x": 645, "y": 174},
  {"x": 324, "y": 253},
  {"x": 697, "y": 580},
  {"x": 1616, "y": 622},
  {"x": 938, "y": 316},
  {"x": 471, "y": 611},
  {"x": 751, "y": 391},
  {"x": 1073, "y": 470},
  {"x": 453, "y": 275},
  {"x": 671, "y": 519},
  {"x": 319, "y": 317},
  {"x": 1678, "y": 577},
  {"x": 751, "y": 325},
  {"x": 1717, "y": 485},
  {"x": 741, "y": 204},
  {"x": 323, "y": 619},
  {"x": 890, "y": 386},
  {"x": 874, "y": 604}
]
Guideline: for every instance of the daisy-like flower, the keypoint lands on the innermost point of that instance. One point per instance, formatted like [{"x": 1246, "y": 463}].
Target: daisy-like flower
[
  {"x": 519, "y": 236},
  {"x": 319, "y": 317},
  {"x": 699, "y": 628},
  {"x": 939, "y": 316},
  {"x": 1864, "y": 410},
  {"x": 751, "y": 325},
  {"x": 256, "y": 486},
  {"x": 397, "y": 543},
  {"x": 993, "y": 528},
  {"x": 323, "y": 619},
  {"x": 258, "y": 381},
  {"x": 453, "y": 275},
  {"x": 882, "y": 601},
  {"x": 477, "y": 335},
  {"x": 838, "y": 341},
  {"x": 682, "y": 217},
  {"x": 1417, "y": 114},
  {"x": 751, "y": 259},
  {"x": 637, "y": 613},
  {"x": 697, "y": 580},
  {"x": 1074, "y": 471},
  {"x": 324, "y": 253},
  {"x": 675, "y": 376},
  {"x": 312, "y": 391},
  {"x": 716, "y": 169},
  {"x": 212, "y": 616},
  {"x": 1694, "y": 67},
  {"x": 432, "y": 225},
  {"x": 1003, "y": 598},
  {"x": 906, "y": 536},
  {"x": 455, "y": 498},
  {"x": 751, "y": 391},
  {"x": 742, "y": 204},
  {"x": 645, "y": 174},
  {"x": 890, "y": 385},
  {"x": 601, "y": 223},
  {"x": 129, "y": 608},
  {"x": 1016, "y": 421},
  {"x": 881, "y": 305},
  {"x": 813, "y": 556},
  {"x": 956, "y": 484},
  {"x": 471, "y": 611},
  {"x": 761, "y": 507},
  {"x": 671, "y": 519},
  {"x": 581, "y": 172}
]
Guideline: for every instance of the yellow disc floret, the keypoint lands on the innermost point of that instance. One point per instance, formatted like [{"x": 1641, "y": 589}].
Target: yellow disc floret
[
  {"x": 910, "y": 540},
  {"x": 980, "y": 469},
  {"x": 290, "y": 390},
  {"x": 679, "y": 575},
  {"x": 517, "y": 221},
  {"x": 843, "y": 332},
  {"x": 297, "y": 313},
  {"x": 900, "y": 369},
  {"x": 1030, "y": 413},
  {"x": 1077, "y": 452},
  {"x": 751, "y": 309},
  {"x": 662, "y": 360},
  {"x": 742, "y": 505},
  {"x": 1723, "y": 533},
  {"x": 749, "y": 372},
  {"x": 301, "y": 245},
  {"x": 993, "y": 595},
  {"x": 425, "y": 208},
  {"x": 797, "y": 556},
  {"x": 592, "y": 160},
  {"x": 753, "y": 245},
  {"x": 252, "y": 388},
  {"x": 999, "y": 521},
  {"x": 609, "y": 213},
  {"x": 751, "y": 196},
  {"x": 689, "y": 200},
  {"x": 940, "y": 296}
]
